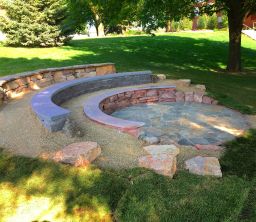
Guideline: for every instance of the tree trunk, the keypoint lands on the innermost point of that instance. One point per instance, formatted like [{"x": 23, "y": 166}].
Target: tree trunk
[
  {"x": 168, "y": 26},
  {"x": 99, "y": 26},
  {"x": 235, "y": 21}
]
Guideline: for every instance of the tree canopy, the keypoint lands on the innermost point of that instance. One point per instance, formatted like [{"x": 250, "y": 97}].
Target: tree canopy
[{"x": 34, "y": 23}]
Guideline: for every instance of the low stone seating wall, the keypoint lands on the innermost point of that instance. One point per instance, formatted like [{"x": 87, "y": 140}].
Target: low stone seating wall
[
  {"x": 46, "y": 103},
  {"x": 15, "y": 85},
  {"x": 99, "y": 107}
]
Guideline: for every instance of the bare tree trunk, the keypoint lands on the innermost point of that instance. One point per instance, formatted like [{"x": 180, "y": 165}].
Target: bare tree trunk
[
  {"x": 168, "y": 26},
  {"x": 235, "y": 21},
  {"x": 99, "y": 26}
]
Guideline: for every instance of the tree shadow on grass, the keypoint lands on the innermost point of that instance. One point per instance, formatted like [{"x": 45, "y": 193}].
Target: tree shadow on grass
[
  {"x": 199, "y": 59},
  {"x": 240, "y": 159},
  {"x": 65, "y": 192}
]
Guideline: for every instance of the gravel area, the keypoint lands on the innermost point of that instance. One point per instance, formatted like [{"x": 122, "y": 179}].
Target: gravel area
[{"x": 22, "y": 133}]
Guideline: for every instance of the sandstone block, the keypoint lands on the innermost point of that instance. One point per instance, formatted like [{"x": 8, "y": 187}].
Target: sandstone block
[
  {"x": 103, "y": 70},
  {"x": 162, "y": 149},
  {"x": 167, "y": 95},
  {"x": 161, "y": 77},
  {"x": 150, "y": 139},
  {"x": 200, "y": 87},
  {"x": 198, "y": 97},
  {"x": 163, "y": 164},
  {"x": 76, "y": 154},
  {"x": 189, "y": 96},
  {"x": 151, "y": 93},
  {"x": 180, "y": 96},
  {"x": 184, "y": 82},
  {"x": 11, "y": 85},
  {"x": 205, "y": 166},
  {"x": 44, "y": 83},
  {"x": 208, "y": 147},
  {"x": 70, "y": 77},
  {"x": 207, "y": 100}
]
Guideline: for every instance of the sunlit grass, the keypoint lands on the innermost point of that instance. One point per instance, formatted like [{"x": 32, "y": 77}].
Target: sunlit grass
[
  {"x": 33, "y": 190},
  {"x": 201, "y": 57}
]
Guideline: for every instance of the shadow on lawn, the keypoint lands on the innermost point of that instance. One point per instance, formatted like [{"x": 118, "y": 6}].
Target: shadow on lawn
[
  {"x": 179, "y": 57},
  {"x": 44, "y": 190}
]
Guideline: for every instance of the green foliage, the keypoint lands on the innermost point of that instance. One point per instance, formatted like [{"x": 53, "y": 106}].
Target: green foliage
[
  {"x": 202, "y": 22},
  {"x": 154, "y": 14},
  {"x": 185, "y": 24},
  {"x": 212, "y": 22},
  {"x": 134, "y": 32},
  {"x": 112, "y": 14},
  {"x": 34, "y": 23}
]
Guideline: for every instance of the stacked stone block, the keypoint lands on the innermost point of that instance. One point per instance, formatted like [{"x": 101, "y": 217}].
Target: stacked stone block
[{"x": 16, "y": 85}]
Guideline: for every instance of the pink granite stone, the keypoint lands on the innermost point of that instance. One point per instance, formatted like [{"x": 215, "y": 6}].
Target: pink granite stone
[
  {"x": 152, "y": 93},
  {"x": 180, "y": 96},
  {"x": 208, "y": 147},
  {"x": 198, "y": 97},
  {"x": 167, "y": 95},
  {"x": 207, "y": 100},
  {"x": 76, "y": 154},
  {"x": 205, "y": 166},
  {"x": 163, "y": 164},
  {"x": 189, "y": 96}
]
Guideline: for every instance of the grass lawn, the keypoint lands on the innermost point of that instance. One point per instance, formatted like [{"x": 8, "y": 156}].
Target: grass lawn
[
  {"x": 198, "y": 56},
  {"x": 34, "y": 190}
]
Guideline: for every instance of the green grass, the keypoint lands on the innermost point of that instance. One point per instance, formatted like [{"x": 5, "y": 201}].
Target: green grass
[
  {"x": 34, "y": 190},
  {"x": 198, "y": 56},
  {"x": 45, "y": 191}
]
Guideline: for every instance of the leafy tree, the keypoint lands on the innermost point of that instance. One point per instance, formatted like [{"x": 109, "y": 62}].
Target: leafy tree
[
  {"x": 105, "y": 15},
  {"x": 236, "y": 10},
  {"x": 34, "y": 22},
  {"x": 159, "y": 13},
  {"x": 155, "y": 13}
]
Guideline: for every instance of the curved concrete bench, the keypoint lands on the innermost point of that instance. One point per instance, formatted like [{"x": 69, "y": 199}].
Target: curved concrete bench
[
  {"x": 46, "y": 103},
  {"x": 98, "y": 107}
]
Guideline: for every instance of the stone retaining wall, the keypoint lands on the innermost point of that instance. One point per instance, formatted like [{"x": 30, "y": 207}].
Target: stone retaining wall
[
  {"x": 98, "y": 108},
  {"x": 16, "y": 85},
  {"x": 129, "y": 98},
  {"x": 46, "y": 104}
]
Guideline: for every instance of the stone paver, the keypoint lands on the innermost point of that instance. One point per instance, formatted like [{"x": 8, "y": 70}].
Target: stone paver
[{"x": 187, "y": 123}]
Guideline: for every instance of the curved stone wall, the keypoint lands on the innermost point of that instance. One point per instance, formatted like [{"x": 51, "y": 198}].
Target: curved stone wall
[
  {"x": 14, "y": 86},
  {"x": 99, "y": 108},
  {"x": 46, "y": 103}
]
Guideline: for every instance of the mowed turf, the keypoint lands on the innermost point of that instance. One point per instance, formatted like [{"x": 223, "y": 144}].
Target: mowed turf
[
  {"x": 201, "y": 57},
  {"x": 35, "y": 190}
]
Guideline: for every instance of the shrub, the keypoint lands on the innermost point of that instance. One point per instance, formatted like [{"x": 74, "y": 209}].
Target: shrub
[
  {"x": 212, "y": 22},
  {"x": 185, "y": 24},
  {"x": 34, "y": 23},
  {"x": 202, "y": 22}
]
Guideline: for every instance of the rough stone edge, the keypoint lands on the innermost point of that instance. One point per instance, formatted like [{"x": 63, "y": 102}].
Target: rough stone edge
[{"x": 21, "y": 76}]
